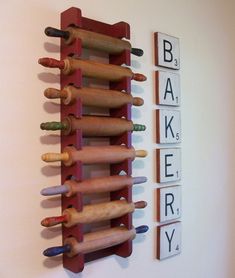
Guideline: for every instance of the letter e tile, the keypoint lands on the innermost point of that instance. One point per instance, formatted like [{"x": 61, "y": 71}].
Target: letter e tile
[{"x": 168, "y": 165}]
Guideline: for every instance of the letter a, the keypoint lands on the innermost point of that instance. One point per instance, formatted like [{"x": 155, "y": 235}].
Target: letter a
[{"x": 169, "y": 91}]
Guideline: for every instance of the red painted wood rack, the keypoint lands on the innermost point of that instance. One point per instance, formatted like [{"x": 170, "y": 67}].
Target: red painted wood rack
[{"x": 73, "y": 16}]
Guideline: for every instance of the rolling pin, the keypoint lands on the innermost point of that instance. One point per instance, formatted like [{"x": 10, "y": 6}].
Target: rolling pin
[
  {"x": 92, "y": 69},
  {"x": 92, "y": 40},
  {"x": 94, "y": 154},
  {"x": 94, "y": 185},
  {"x": 95, "y": 241},
  {"x": 93, "y": 126},
  {"x": 93, "y": 213},
  {"x": 93, "y": 97}
]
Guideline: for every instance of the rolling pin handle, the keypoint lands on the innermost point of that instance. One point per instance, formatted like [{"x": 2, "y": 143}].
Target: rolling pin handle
[
  {"x": 137, "y": 101},
  {"x": 141, "y": 229},
  {"x": 137, "y": 52},
  {"x": 141, "y": 153},
  {"x": 138, "y": 180},
  {"x": 139, "y": 127},
  {"x": 56, "y": 250},
  {"x": 53, "y": 32},
  {"x": 54, "y": 190},
  {"x": 52, "y": 93},
  {"x": 51, "y": 63},
  {"x": 54, "y": 126},
  {"x": 55, "y": 220},
  {"x": 140, "y": 204},
  {"x": 139, "y": 77},
  {"x": 53, "y": 157}
]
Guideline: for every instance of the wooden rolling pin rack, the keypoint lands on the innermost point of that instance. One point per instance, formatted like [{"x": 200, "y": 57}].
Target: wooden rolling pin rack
[{"x": 73, "y": 17}]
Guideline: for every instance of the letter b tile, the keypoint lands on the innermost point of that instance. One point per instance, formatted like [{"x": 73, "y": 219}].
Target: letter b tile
[{"x": 167, "y": 51}]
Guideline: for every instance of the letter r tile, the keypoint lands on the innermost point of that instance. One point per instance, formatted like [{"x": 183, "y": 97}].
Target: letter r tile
[{"x": 168, "y": 203}]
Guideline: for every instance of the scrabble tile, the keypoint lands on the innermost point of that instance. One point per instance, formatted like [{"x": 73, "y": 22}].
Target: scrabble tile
[
  {"x": 168, "y": 203},
  {"x": 167, "y": 88},
  {"x": 168, "y": 126},
  {"x": 168, "y": 240},
  {"x": 167, "y": 51},
  {"x": 168, "y": 165}
]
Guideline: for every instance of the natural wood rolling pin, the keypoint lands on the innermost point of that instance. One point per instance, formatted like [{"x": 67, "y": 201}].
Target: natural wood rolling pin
[
  {"x": 92, "y": 40},
  {"x": 94, "y": 154},
  {"x": 93, "y": 126},
  {"x": 94, "y": 185},
  {"x": 93, "y": 97},
  {"x": 95, "y": 241},
  {"x": 93, "y": 213},
  {"x": 92, "y": 69}
]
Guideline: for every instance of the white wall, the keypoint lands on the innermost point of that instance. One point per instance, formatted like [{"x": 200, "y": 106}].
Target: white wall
[{"x": 206, "y": 32}]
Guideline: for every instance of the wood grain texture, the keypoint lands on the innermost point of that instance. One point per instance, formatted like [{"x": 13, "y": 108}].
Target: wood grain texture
[
  {"x": 92, "y": 69},
  {"x": 99, "y": 212},
  {"x": 93, "y": 97},
  {"x": 96, "y": 70},
  {"x": 95, "y": 126},
  {"x": 94, "y": 154},
  {"x": 93, "y": 185},
  {"x": 99, "y": 154},
  {"x": 93, "y": 213},
  {"x": 98, "y": 185},
  {"x": 99, "y": 240},
  {"x": 100, "y": 42}
]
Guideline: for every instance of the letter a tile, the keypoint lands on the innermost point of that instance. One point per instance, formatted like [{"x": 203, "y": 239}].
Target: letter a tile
[{"x": 167, "y": 88}]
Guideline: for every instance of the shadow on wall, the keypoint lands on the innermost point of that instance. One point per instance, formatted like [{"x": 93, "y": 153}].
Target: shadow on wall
[
  {"x": 49, "y": 77},
  {"x": 53, "y": 262},
  {"x": 51, "y": 47},
  {"x": 52, "y": 202},
  {"x": 51, "y": 232},
  {"x": 51, "y": 139},
  {"x": 51, "y": 170},
  {"x": 51, "y": 107}
]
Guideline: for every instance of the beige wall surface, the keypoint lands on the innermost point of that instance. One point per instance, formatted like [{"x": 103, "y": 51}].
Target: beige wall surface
[{"x": 207, "y": 44}]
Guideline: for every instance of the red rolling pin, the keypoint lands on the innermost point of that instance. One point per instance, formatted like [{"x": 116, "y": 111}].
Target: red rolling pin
[
  {"x": 92, "y": 69},
  {"x": 93, "y": 97},
  {"x": 93, "y": 213},
  {"x": 94, "y": 154}
]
